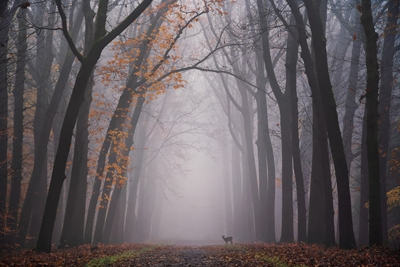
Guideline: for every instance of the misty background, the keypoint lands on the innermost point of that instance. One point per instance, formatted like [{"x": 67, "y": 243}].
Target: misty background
[{"x": 180, "y": 122}]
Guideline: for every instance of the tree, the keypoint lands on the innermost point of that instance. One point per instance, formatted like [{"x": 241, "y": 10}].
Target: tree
[
  {"x": 320, "y": 176},
  {"x": 101, "y": 39},
  {"x": 40, "y": 156},
  {"x": 385, "y": 95},
  {"x": 19, "y": 88},
  {"x": 371, "y": 105},
  {"x": 6, "y": 16},
  {"x": 346, "y": 232}
]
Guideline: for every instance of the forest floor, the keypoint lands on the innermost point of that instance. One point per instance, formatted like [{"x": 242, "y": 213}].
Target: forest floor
[{"x": 255, "y": 254}]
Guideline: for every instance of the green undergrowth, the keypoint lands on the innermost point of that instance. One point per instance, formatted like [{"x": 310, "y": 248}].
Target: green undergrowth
[
  {"x": 107, "y": 260},
  {"x": 276, "y": 261}
]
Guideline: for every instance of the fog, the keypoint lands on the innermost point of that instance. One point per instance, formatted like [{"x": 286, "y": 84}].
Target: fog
[
  {"x": 195, "y": 214},
  {"x": 179, "y": 122}
]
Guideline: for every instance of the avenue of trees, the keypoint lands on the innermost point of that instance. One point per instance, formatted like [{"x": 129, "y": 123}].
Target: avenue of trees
[{"x": 301, "y": 96}]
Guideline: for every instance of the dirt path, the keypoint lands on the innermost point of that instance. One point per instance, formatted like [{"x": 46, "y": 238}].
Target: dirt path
[{"x": 194, "y": 256}]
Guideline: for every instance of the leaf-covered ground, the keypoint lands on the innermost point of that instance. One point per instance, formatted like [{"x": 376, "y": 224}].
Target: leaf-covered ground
[{"x": 257, "y": 254}]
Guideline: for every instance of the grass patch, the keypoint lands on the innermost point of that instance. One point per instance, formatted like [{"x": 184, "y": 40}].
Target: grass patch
[
  {"x": 104, "y": 261},
  {"x": 277, "y": 262}
]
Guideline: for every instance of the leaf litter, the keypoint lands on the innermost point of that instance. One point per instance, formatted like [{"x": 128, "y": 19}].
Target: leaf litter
[{"x": 247, "y": 254}]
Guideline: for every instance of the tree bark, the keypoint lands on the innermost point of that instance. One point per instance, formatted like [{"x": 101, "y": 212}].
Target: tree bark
[
  {"x": 101, "y": 39},
  {"x": 133, "y": 190},
  {"x": 72, "y": 232},
  {"x": 385, "y": 95},
  {"x": 371, "y": 105},
  {"x": 41, "y": 151},
  {"x": 363, "y": 235},
  {"x": 291, "y": 64},
  {"x": 107, "y": 222},
  {"x": 286, "y": 135},
  {"x": 17, "y": 161},
  {"x": 6, "y": 16},
  {"x": 346, "y": 232},
  {"x": 321, "y": 169}
]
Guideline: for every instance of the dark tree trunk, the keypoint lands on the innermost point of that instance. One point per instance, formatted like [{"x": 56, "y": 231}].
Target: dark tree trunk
[
  {"x": 5, "y": 23},
  {"x": 41, "y": 151},
  {"x": 271, "y": 237},
  {"x": 291, "y": 64},
  {"x": 72, "y": 232},
  {"x": 371, "y": 50},
  {"x": 101, "y": 40},
  {"x": 287, "y": 184},
  {"x": 43, "y": 64},
  {"x": 286, "y": 135},
  {"x": 74, "y": 219},
  {"x": 385, "y": 95},
  {"x": 346, "y": 232},
  {"x": 58, "y": 175},
  {"x": 262, "y": 161},
  {"x": 320, "y": 147},
  {"x": 316, "y": 209},
  {"x": 18, "y": 92},
  {"x": 58, "y": 119},
  {"x": 363, "y": 235}
]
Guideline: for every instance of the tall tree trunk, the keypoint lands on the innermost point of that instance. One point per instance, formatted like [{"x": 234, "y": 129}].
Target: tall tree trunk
[
  {"x": 43, "y": 64},
  {"x": 252, "y": 172},
  {"x": 346, "y": 232},
  {"x": 116, "y": 124},
  {"x": 321, "y": 169},
  {"x": 74, "y": 219},
  {"x": 101, "y": 39},
  {"x": 385, "y": 95},
  {"x": 316, "y": 209},
  {"x": 41, "y": 151},
  {"x": 134, "y": 183},
  {"x": 61, "y": 204},
  {"x": 363, "y": 235},
  {"x": 72, "y": 232},
  {"x": 286, "y": 135},
  {"x": 371, "y": 105},
  {"x": 18, "y": 92},
  {"x": 271, "y": 237},
  {"x": 117, "y": 189},
  {"x": 6, "y": 16},
  {"x": 291, "y": 64}
]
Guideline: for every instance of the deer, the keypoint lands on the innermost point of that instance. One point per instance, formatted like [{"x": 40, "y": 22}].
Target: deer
[{"x": 227, "y": 239}]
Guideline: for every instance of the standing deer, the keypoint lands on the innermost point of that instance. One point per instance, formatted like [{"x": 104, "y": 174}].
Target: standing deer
[{"x": 227, "y": 239}]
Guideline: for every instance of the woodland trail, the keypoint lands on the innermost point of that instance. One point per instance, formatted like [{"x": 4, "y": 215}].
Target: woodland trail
[
  {"x": 249, "y": 254},
  {"x": 195, "y": 256}
]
